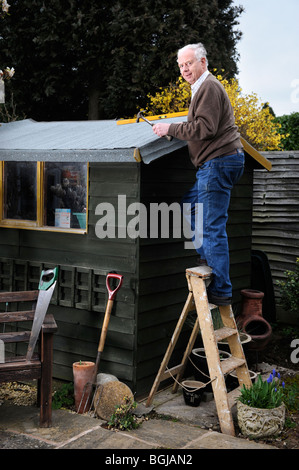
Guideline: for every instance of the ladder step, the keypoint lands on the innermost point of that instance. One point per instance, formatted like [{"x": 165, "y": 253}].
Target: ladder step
[
  {"x": 231, "y": 363},
  {"x": 170, "y": 372},
  {"x": 225, "y": 332},
  {"x": 203, "y": 272}
]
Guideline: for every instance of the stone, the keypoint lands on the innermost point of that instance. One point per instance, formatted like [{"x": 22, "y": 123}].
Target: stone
[
  {"x": 104, "y": 378},
  {"x": 110, "y": 395}
]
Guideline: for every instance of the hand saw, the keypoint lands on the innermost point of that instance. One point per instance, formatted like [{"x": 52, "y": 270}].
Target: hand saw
[{"x": 46, "y": 288}]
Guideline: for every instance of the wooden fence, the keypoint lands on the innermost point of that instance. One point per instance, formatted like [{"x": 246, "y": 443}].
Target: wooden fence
[{"x": 276, "y": 217}]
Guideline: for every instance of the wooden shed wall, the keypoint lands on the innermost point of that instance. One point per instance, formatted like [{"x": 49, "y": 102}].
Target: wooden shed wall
[
  {"x": 163, "y": 286},
  {"x": 84, "y": 260},
  {"x": 150, "y": 301},
  {"x": 276, "y": 216}
]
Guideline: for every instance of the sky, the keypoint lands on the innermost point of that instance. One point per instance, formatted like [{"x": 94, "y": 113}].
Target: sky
[{"x": 269, "y": 52}]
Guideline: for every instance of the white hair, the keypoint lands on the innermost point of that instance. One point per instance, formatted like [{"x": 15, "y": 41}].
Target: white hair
[{"x": 199, "y": 49}]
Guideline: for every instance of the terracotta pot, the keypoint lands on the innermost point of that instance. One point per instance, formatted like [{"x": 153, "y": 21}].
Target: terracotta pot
[
  {"x": 251, "y": 320},
  {"x": 260, "y": 422},
  {"x": 252, "y": 302},
  {"x": 83, "y": 373},
  {"x": 259, "y": 330}
]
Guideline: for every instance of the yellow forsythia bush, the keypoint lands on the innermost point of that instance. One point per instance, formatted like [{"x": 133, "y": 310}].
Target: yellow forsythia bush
[
  {"x": 256, "y": 123},
  {"x": 173, "y": 99}
]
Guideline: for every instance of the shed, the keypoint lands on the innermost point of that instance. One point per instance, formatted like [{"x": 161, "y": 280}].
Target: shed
[{"x": 125, "y": 165}]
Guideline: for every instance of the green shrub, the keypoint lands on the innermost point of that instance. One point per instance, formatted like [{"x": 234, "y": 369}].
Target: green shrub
[
  {"x": 290, "y": 289},
  {"x": 290, "y": 130},
  {"x": 291, "y": 394},
  {"x": 64, "y": 397},
  {"x": 123, "y": 418}
]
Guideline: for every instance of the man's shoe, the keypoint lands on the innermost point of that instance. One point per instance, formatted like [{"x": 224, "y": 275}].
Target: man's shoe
[{"x": 217, "y": 300}]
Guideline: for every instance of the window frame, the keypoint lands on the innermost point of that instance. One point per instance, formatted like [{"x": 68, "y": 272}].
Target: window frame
[{"x": 38, "y": 224}]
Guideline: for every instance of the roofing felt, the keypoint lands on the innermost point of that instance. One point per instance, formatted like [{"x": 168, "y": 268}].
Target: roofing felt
[
  {"x": 92, "y": 141},
  {"x": 83, "y": 141}
]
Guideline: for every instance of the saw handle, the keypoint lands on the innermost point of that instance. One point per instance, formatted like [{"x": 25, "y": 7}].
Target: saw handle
[
  {"x": 112, "y": 293},
  {"x": 47, "y": 278}
]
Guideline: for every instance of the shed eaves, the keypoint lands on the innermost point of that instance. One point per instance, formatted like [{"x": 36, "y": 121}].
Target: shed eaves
[
  {"x": 92, "y": 141},
  {"x": 101, "y": 141}
]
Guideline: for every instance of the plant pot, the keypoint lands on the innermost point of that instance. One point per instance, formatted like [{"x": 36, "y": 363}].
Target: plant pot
[
  {"x": 83, "y": 374},
  {"x": 260, "y": 422},
  {"x": 251, "y": 320},
  {"x": 244, "y": 340},
  {"x": 233, "y": 382},
  {"x": 252, "y": 302},
  {"x": 193, "y": 391},
  {"x": 81, "y": 219},
  {"x": 259, "y": 330},
  {"x": 201, "y": 370}
]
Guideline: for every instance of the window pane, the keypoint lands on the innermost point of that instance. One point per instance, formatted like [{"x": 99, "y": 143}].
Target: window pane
[
  {"x": 20, "y": 190},
  {"x": 65, "y": 194}
]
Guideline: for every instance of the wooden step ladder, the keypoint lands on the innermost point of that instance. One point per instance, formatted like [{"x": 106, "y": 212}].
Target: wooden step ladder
[{"x": 197, "y": 279}]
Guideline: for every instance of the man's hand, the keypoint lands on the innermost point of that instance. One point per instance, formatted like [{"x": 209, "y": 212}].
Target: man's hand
[{"x": 161, "y": 129}]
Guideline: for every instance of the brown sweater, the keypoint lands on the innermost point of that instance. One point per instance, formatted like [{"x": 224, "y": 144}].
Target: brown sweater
[{"x": 210, "y": 129}]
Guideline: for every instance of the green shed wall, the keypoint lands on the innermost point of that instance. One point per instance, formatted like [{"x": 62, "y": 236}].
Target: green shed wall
[
  {"x": 80, "y": 299},
  {"x": 148, "y": 305}
]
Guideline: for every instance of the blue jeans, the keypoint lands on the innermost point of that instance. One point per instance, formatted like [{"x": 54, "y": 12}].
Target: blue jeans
[{"x": 215, "y": 180}]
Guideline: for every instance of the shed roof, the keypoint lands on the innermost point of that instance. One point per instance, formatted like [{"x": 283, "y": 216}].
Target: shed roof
[
  {"x": 82, "y": 141},
  {"x": 90, "y": 141}
]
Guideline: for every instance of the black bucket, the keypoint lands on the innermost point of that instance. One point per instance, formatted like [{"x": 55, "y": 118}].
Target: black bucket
[{"x": 193, "y": 391}]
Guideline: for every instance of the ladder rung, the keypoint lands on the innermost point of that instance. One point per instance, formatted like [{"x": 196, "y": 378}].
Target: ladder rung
[
  {"x": 231, "y": 363},
  {"x": 170, "y": 372},
  {"x": 225, "y": 332},
  {"x": 200, "y": 271}
]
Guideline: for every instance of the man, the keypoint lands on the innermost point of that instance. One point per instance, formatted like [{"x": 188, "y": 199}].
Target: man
[{"x": 216, "y": 152}]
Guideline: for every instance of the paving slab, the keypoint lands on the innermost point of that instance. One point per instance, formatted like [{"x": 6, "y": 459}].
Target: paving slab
[
  {"x": 185, "y": 428},
  {"x": 167, "y": 434},
  {"x": 105, "y": 439},
  {"x": 214, "y": 440},
  {"x": 14, "y": 440},
  {"x": 65, "y": 424},
  {"x": 205, "y": 415}
]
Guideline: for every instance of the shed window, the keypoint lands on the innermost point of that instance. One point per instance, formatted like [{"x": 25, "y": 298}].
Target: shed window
[
  {"x": 65, "y": 194},
  {"x": 20, "y": 188},
  {"x": 44, "y": 196}
]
